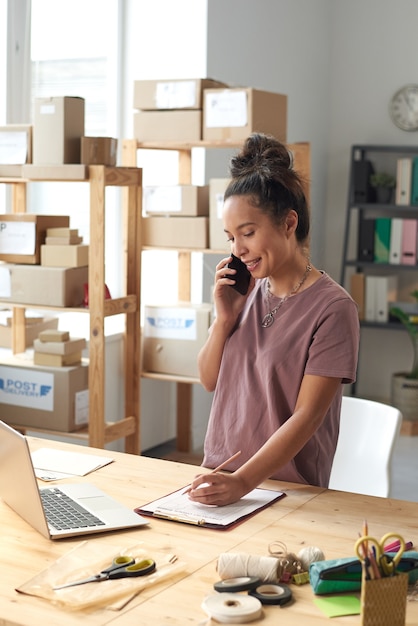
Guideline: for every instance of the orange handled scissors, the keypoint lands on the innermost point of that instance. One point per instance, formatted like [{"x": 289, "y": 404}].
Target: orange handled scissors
[{"x": 121, "y": 567}]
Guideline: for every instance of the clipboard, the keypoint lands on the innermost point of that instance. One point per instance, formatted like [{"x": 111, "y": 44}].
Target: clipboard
[{"x": 177, "y": 507}]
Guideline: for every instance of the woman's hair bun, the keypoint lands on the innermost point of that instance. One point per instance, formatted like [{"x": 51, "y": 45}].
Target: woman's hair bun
[{"x": 263, "y": 154}]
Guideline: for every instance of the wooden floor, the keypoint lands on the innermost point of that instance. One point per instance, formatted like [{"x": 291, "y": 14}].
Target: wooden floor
[{"x": 404, "y": 465}]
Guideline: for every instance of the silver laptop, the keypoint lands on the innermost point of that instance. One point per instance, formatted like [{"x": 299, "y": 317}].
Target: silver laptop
[{"x": 91, "y": 510}]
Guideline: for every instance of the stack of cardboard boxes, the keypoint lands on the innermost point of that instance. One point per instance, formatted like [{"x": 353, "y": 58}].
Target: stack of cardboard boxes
[
  {"x": 57, "y": 349},
  {"x": 190, "y": 111}
]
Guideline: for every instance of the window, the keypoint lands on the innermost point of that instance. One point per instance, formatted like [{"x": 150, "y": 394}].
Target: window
[{"x": 71, "y": 57}]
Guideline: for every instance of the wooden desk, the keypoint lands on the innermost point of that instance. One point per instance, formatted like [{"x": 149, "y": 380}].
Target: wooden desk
[{"x": 306, "y": 516}]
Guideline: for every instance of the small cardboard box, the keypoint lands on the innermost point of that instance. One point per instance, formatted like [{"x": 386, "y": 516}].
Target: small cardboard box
[
  {"x": 50, "y": 286},
  {"x": 55, "y": 172},
  {"x": 233, "y": 114},
  {"x": 64, "y": 255},
  {"x": 152, "y": 95},
  {"x": 173, "y": 337},
  {"x": 217, "y": 236},
  {"x": 175, "y": 232},
  {"x": 176, "y": 200},
  {"x": 99, "y": 150},
  {"x": 168, "y": 126},
  {"x": 22, "y": 234},
  {"x": 15, "y": 144},
  {"x": 42, "y": 397},
  {"x": 57, "y": 130},
  {"x": 11, "y": 171},
  {"x": 32, "y": 330}
]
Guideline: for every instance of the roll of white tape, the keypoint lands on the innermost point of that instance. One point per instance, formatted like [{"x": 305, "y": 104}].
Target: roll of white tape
[{"x": 232, "y": 608}]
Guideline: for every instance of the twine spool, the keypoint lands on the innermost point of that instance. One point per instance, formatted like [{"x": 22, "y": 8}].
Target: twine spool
[
  {"x": 233, "y": 565},
  {"x": 309, "y": 555}
]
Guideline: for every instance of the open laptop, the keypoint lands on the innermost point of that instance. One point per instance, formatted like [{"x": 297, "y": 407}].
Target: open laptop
[{"x": 19, "y": 489}]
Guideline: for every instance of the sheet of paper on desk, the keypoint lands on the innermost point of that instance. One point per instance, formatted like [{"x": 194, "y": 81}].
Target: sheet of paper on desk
[
  {"x": 178, "y": 507},
  {"x": 53, "y": 464}
]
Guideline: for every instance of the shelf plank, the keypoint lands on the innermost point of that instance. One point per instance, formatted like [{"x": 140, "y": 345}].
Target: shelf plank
[{"x": 171, "y": 378}]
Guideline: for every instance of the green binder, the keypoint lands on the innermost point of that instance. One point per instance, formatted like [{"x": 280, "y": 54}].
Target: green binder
[{"x": 382, "y": 239}]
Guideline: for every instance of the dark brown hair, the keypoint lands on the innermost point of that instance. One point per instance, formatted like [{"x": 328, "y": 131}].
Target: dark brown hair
[{"x": 263, "y": 170}]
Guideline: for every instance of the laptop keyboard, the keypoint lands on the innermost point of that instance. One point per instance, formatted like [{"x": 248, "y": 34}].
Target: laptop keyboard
[{"x": 63, "y": 513}]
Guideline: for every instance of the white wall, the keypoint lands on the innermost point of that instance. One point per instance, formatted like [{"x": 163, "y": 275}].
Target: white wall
[
  {"x": 374, "y": 52},
  {"x": 339, "y": 62}
]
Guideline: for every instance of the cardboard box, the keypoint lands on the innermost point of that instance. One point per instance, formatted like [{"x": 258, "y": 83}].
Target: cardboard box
[
  {"x": 50, "y": 286},
  {"x": 172, "y": 94},
  {"x": 233, "y": 114},
  {"x": 64, "y": 255},
  {"x": 42, "y": 397},
  {"x": 168, "y": 126},
  {"x": 176, "y": 200},
  {"x": 74, "y": 344},
  {"x": 22, "y": 234},
  {"x": 173, "y": 337},
  {"x": 175, "y": 232},
  {"x": 217, "y": 236},
  {"x": 15, "y": 144},
  {"x": 57, "y": 130},
  {"x": 11, "y": 171},
  {"x": 55, "y": 172},
  {"x": 57, "y": 360},
  {"x": 99, "y": 150},
  {"x": 32, "y": 330}
]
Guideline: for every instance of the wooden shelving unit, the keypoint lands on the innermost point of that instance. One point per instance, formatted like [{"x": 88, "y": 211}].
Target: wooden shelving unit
[{"x": 99, "y": 433}]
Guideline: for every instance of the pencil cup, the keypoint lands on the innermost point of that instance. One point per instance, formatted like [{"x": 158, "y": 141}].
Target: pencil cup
[{"x": 383, "y": 601}]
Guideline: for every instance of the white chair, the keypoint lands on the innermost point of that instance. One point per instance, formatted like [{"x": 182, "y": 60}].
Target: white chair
[{"x": 363, "y": 458}]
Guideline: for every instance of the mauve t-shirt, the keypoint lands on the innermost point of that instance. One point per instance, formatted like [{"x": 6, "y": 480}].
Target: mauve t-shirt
[{"x": 314, "y": 332}]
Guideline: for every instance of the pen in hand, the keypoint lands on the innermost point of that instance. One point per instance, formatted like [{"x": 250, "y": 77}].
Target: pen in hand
[{"x": 219, "y": 468}]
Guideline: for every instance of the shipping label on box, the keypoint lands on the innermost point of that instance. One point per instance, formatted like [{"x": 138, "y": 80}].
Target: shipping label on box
[
  {"x": 171, "y": 323},
  {"x": 226, "y": 108},
  {"x": 17, "y": 238},
  {"x": 27, "y": 388},
  {"x": 42, "y": 397},
  {"x": 15, "y": 144},
  {"x": 173, "y": 337}
]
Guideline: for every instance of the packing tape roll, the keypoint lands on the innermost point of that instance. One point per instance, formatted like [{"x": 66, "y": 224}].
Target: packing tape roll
[
  {"x": 232, "y": 608},
  {"x": 241, "y": 583},
  {"x": 272, "y": 594}
]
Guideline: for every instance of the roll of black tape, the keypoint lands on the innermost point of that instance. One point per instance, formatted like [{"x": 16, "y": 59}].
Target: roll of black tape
[
  {"x": 272, "y": 594},
  {"x": 241, "y": 583}
]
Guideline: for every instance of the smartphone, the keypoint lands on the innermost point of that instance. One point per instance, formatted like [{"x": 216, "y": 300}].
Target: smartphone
[{"x": 242, "y": 277}]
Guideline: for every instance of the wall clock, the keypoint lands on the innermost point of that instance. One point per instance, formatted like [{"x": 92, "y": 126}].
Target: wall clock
[{"x": 403, "y": 107}]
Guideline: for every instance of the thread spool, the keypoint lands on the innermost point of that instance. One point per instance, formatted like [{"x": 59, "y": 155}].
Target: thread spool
[{"x": 234, "y": 565}]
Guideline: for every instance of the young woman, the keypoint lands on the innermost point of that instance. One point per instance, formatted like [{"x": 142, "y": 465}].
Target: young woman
[{"x": 278, "y": 356}]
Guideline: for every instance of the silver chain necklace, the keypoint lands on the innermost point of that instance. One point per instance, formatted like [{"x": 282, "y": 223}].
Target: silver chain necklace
[{"x": 268, "y": 319}]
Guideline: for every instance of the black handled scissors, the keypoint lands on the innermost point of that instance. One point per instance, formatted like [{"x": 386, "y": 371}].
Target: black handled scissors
[{"x": 121, "y": 567}]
